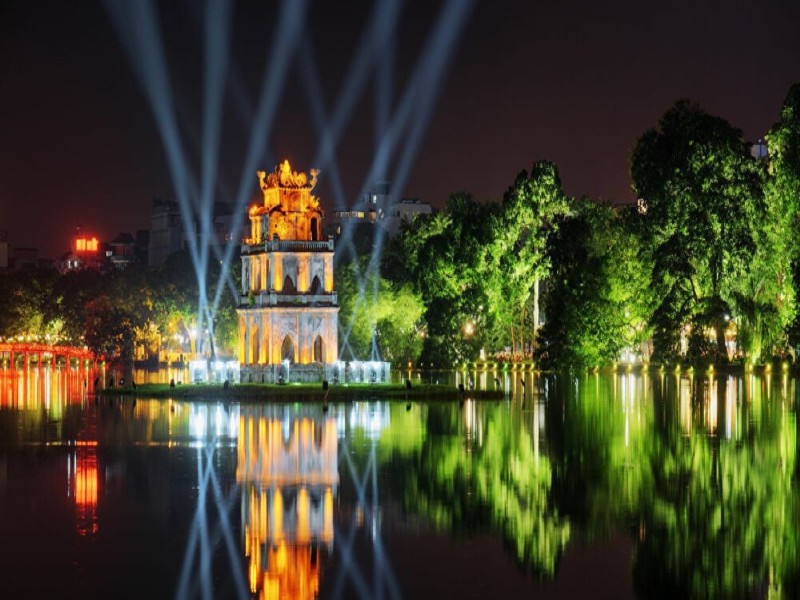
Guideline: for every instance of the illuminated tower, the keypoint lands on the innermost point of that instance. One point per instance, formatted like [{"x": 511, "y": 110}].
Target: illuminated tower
[{"x": 288, "y": 313}]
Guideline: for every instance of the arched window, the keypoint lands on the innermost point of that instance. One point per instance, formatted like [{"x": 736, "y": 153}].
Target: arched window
[
  {"x": 316, "y": 285},
  {"x": 319, "y": 350},
  {"x": 314, "y": 233},
  {"x": 287, "y": 349},
  {"x": 288, "y": 286}
]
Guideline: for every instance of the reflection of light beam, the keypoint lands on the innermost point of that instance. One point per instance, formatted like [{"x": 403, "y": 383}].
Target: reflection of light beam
[
  {"x": 191, "y": 546},
  {"x": 233, "y": 553},
  {"x": 381, "y": 568},
  {"x": 200, "y": 536}
]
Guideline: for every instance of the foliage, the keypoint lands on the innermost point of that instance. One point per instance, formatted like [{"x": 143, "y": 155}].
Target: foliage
[
  {"x": 598, "y": 300},
  {"x": 780, "y": 233},
  {"x": 376, "y": 316},
  {"x": 111, "y": 312},
  {"x": 703, "y": 193},
  {"x": 24, "y": 299},
  {"x": 442, "y": 256},
  {"x": 110, "y": 330},
  {"x": 516, "y": 259},
  {"x": 71, "y": 293}
]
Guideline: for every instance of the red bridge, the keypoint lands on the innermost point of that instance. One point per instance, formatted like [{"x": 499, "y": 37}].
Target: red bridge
[{"x": 43, "y": 353}]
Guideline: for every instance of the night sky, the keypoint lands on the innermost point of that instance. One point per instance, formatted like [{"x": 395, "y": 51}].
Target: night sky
[{"x": 572, "y": 82}]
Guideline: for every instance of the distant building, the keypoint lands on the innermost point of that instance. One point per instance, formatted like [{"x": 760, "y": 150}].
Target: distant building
[
  {"x": 758, "y": 149},
  {"x": 377, "y": 206},
  {"x": 122, "y": 251},
  {"x": 3, "y": 250},
  {"x": 404, "y": 211},
  {"x": 166, "y": 231},
  {"x": 86, "y": 252},
  {"x": 168, "y": 234},
  {"x": 141, "y": 245},
  {"x": 25, "y": 258}
]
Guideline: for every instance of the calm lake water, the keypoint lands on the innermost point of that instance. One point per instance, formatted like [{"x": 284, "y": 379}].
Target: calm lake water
[{"x": 614, "y": 486}]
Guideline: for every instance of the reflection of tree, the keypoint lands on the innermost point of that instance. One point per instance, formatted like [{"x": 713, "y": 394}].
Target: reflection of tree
[
  {"x": 597, "y": 431},
  {"x": 500, "y": 482},
  {"x": 723, "y": 515}
]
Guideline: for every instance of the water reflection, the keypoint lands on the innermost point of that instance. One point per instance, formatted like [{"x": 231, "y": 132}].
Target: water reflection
[
  {"x": 721, "y": 514},
  {"x": 698, "y": 472},
  {"x": 82, "y": 485},
  {"x": 287, "y": 469}
]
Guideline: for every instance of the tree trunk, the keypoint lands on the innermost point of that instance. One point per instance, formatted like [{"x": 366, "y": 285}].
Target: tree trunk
[
  {"x": 719, "y": 328},
  {"x": 126, "y": 358},
  {"x": 535, "y": 341}
]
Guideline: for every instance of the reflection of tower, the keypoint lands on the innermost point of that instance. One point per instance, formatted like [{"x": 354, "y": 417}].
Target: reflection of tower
[
  {"x": 288, "y": 314},
  {"x": 288, "y": 470}
]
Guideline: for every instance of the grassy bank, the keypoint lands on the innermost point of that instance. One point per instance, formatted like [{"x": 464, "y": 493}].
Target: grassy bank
[{"x": 256, "y": 392}]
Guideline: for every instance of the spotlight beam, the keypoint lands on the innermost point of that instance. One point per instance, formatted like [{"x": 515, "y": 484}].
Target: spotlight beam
[
  {"x": 383, "y": 21},
  {"x": 288, "y": 33},
  {"x": 383, "y": 91},
  {"x": 419, "y": 97},
  {"x": 215, "y": 57},
  {"x": 439, "y": 49},
  {"x": 311, "y": 81},
  {"x": 138, "y": 29},
  {"x": 426, "y": 73}
]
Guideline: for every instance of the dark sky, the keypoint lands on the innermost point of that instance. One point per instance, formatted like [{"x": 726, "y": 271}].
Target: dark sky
[{"x": 572, "y": 82}]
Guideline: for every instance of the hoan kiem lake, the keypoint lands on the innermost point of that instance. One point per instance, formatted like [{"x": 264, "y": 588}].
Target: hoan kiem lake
[{"x": 616, "y": 485}]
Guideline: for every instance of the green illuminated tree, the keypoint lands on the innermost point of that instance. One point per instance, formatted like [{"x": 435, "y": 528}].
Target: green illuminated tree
[
  {"x": 782, "y": 192},
  {"x": 704, "y": 205},
  {"x": 71, "y": 293},
  {"x": 442, "y": 255},
  {"x": 516, "y": 259},
  {"x": 599, "y": 300},
  {"x": 175, "y": 299},
  {"x": 373, "y": 310},
  {"x": 25, "y": 298},
  {"x": 111, "y": 330}
]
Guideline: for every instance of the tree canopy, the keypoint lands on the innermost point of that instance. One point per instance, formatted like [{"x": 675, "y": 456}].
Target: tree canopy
[{"x": 704, "y": 199}]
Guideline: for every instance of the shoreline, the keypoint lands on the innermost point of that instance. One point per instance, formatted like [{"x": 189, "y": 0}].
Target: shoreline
[{"x": 293, "y": 392}]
